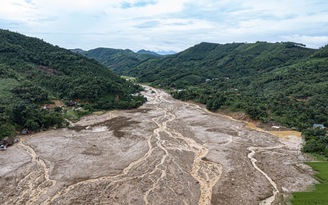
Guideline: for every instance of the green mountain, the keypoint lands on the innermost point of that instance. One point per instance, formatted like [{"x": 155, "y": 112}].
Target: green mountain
[
  {"x": 118, "y": 60},
  {"x": 33, "y": 71},
  {"x": 272, "y": 82},
  {"x": 145, "y": 52}
]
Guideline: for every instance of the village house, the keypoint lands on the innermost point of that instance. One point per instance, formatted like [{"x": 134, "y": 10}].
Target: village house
[{"x": 321, "y": 126}]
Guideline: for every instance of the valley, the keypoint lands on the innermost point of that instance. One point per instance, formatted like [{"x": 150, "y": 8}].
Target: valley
[{"x": 165, "y": 152}]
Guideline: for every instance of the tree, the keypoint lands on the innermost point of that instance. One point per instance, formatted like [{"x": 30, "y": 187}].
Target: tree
[{"x": 256, "y": 112}]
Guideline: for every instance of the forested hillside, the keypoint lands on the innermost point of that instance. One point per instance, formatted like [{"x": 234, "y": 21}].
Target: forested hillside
[
  {"x": 118, "y": 60},
  {"x": 32, "y": 72},
  {"x": 281, "y": 82}
]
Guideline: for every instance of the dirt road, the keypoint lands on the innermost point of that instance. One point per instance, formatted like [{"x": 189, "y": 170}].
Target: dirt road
[{"x": 166, "y": 152}]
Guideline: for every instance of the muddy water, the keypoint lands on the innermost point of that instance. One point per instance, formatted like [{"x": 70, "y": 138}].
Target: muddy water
[{"x": 166, "y": 152}]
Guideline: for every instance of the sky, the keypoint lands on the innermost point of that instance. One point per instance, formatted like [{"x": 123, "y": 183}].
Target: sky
[{"x": 166, "y": 25}]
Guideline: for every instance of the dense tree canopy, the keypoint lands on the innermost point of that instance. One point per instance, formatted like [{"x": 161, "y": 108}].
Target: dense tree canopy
[
  {"x": 118, "y": 60},
  {"x": 33, "y": 71}
]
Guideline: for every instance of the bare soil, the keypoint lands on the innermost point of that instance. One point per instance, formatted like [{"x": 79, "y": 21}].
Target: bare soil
[{"x": 166, "y": 152}]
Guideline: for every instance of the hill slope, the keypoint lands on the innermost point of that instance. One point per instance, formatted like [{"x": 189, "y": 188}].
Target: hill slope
[
  {"x": 32, "y": 71},
  {"x": 281, "y": 82},
  {"x": 118, "y": 60}
]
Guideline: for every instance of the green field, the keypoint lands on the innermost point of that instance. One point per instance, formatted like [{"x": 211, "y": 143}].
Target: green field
[
  {"x": 129, "y": 78},
  {"x": 319, "y": 195}
]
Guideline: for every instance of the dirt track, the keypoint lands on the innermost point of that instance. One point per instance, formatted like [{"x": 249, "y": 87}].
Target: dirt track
[{"x": 166, "y": 152}]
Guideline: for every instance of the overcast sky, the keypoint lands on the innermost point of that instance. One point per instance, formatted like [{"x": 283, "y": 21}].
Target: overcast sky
[{"x": 166, "y": 24}]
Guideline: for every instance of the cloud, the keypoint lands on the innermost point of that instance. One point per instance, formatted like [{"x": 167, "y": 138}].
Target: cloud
[
  {"x": 148, "y": 24},
  {"x": 166, "y": 24},
  {"x": 127, "y": 4}
]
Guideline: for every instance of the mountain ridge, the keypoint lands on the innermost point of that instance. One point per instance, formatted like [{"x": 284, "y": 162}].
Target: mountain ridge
[
  {"x": 33, "y": 72},
  {"x": 118, "y": 59},
  {"x": 248, "y": 77},
  {"x": 143, "y": 51}
]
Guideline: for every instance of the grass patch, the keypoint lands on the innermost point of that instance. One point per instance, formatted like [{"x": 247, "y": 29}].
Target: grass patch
[
  {"x": 100, "y": 112},
  {"x": 322, "y": 168},
  {"x": 72, "y": 115},
  {"x": 319, "y": 195},
  {"x": 319, "y": 157},
  {"x": 76, "y": 114},
  {"x": 147, "y": 83},
  {"x": 129, "y": 78}
]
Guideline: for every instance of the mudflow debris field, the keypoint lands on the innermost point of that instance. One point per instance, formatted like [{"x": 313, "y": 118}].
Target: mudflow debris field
[{"x": 166, "y": 152}]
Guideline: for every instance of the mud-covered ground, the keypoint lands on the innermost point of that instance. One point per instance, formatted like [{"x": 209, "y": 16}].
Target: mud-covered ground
[{"x": 166, "y": 152}]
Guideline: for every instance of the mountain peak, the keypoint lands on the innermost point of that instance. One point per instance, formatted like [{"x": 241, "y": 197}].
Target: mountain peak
[{"x": 147, "y": 52}]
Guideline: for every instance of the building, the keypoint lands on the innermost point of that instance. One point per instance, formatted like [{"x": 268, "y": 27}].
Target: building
[{"x": 321, "y": 126}]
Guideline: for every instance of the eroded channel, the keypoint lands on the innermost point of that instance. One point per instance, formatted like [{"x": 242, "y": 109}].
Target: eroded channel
[{"x": 166, "y": 152}]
